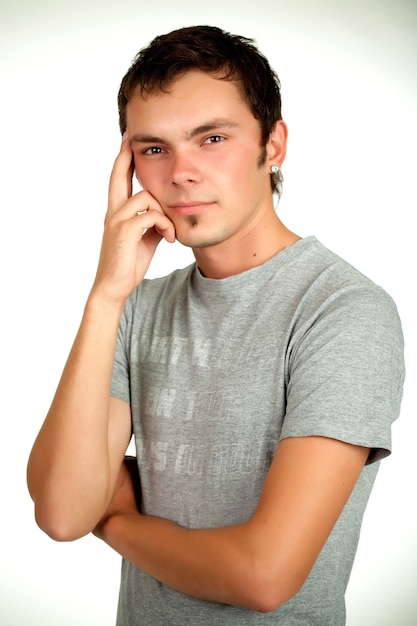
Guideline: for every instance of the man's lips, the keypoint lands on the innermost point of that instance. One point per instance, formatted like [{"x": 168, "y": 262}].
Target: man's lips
[{"x": 190, "y": 207}]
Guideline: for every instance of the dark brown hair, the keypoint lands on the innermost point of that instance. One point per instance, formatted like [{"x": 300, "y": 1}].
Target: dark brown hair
[{"x": 211, "y": 50}]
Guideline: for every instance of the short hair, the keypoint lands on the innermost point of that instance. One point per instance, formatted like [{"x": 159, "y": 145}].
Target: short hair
[{"x": 214, "y": 51}]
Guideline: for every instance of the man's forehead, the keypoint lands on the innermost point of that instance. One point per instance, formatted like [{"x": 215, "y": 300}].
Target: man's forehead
[
  {"x": 189, "y": 84},
  {"x": 196, "y": 103}
]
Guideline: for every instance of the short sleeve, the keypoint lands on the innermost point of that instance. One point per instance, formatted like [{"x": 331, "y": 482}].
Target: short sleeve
[{"x": 346, "y": 371}]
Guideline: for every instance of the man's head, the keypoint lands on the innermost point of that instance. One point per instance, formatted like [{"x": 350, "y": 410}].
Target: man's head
[{"x": 210, "y": 50}]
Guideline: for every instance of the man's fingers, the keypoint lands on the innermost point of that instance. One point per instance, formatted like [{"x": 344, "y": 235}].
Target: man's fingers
[
  {"x": 120, "y": 187},
  {"x": 153, "y": 218},
  {"x": 144, "y": 209}
]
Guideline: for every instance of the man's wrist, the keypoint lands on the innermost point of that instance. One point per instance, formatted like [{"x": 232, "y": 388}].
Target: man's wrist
[{"x": 98, "y": 302}]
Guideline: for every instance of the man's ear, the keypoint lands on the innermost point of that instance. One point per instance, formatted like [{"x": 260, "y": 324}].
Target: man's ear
[{"x": 276, "y": 147}]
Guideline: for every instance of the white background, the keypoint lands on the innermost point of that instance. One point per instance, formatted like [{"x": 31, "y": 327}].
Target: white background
[{"x": 348, "y": 73}]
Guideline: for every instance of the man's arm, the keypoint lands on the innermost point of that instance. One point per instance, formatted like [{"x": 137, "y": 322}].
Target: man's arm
[
  {"x": 76, "y": 457},
  {"x": 263, "y": 562}
]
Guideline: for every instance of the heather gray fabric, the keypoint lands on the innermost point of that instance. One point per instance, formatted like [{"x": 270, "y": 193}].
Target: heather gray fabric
[{"x": 217, "y": 372}]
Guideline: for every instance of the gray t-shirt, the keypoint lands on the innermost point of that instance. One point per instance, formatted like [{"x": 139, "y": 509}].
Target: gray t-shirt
[{"x": 217, "y": 372}]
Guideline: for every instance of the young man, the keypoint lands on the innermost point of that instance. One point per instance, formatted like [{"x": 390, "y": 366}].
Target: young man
[{"x": 260, "y": 383}]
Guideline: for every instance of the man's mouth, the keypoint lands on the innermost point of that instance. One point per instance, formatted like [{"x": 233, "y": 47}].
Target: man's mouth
[{"x": 190, "y": 207}]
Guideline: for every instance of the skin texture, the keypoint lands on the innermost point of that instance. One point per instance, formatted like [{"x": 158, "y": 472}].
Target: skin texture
[{"x": 196, "y": 152}]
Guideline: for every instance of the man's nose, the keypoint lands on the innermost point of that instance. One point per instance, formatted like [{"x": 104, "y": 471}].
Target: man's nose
[{"x": 185, "y": 168}]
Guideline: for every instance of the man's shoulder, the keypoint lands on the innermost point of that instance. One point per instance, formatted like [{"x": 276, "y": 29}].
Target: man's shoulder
[{"x": 327, "y": 269}]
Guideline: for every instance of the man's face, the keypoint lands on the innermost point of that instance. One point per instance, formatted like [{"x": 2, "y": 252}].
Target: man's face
[{"x": 197, "y": 151}]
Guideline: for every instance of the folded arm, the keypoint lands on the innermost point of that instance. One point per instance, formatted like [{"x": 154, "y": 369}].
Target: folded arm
[{"x": 263, "y": 562}]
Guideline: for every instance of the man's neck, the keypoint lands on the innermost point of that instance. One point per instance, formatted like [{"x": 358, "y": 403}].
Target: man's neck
[{"x": 236, "y": 256}]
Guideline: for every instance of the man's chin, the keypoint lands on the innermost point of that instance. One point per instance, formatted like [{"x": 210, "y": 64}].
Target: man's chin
[{"x": 199, "y": 241}]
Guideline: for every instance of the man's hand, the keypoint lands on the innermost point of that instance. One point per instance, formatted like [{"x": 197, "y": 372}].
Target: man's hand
[
  {"x": 126, "y": 497},
  {"x": 133, "y": 228}
]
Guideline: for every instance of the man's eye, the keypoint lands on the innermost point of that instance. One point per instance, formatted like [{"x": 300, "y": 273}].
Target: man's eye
[
  {"x": 214, "y": 139},
  {"x": 153, "y": 150}
]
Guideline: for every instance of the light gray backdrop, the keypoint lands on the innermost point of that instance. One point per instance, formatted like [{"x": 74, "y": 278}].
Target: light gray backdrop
[{"x": 348, "y": 72}]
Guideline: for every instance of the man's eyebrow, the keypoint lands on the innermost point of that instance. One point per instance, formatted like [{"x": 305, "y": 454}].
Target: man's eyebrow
[
  {"x": 146, "y": 139},
  {"x": 208, "y": 127}
]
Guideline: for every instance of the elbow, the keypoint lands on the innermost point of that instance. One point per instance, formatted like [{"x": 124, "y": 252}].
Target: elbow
[
  {"x": 266, "y": 570},
  {"x": 63, "y": 519},
  {"x": 266, "y": 590},
  {"x": 59, "y": 526},
  {"x": 61, "y": 532},
  {"x": 267, "y": 600},
  {"x": 50, "y": 511}
]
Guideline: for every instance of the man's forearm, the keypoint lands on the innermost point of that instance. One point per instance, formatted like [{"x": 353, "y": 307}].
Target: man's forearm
[
  {"x": 220, "y": 565},
  {"x": 69, "y": 467}
]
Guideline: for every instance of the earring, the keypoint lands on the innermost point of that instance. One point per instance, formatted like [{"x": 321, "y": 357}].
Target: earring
[{"x": 274, "y": 168}]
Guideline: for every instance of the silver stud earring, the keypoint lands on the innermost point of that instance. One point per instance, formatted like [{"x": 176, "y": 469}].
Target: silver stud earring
[{"x": 274, "y": 169}]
